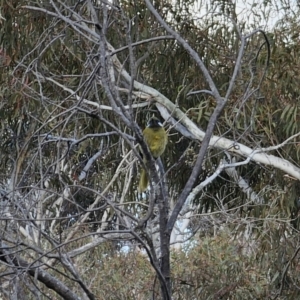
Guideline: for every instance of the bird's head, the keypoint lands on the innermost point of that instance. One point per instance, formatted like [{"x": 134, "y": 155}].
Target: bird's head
[{"x": 154, "y": 123}]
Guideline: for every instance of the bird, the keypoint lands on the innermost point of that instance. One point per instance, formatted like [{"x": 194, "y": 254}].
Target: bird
[{"x": 156, "y": 138}]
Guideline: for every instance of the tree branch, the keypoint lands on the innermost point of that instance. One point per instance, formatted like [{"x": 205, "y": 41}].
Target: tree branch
[{"x": 48, "y": 280}]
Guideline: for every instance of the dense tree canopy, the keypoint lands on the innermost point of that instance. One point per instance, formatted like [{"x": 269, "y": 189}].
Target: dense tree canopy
[{"x": 79, "y": 81}]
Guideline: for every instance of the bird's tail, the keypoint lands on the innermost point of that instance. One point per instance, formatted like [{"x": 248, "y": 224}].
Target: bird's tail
[{"x": 143, "y": 182}]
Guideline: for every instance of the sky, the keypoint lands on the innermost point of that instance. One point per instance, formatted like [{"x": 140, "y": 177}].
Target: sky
[{"x": 253, "y": 12}]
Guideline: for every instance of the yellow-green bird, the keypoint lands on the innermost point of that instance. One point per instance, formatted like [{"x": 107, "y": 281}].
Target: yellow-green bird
[{"x": 156, "y": 138}]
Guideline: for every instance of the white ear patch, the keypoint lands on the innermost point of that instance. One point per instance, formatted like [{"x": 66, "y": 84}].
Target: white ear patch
[{"x": 154, "y": 123}]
